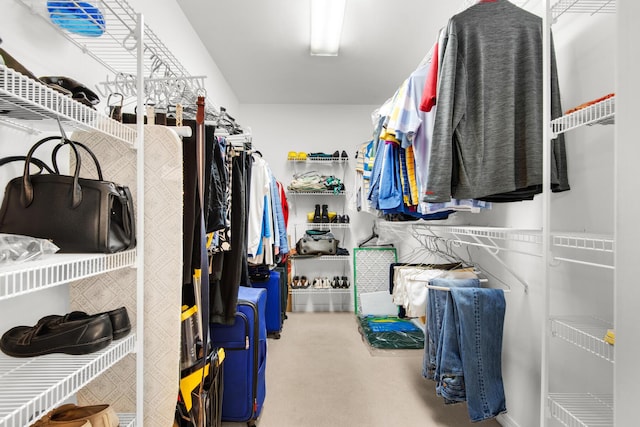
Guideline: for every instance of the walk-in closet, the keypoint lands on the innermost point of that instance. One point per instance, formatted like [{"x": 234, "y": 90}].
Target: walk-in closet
[{"x": 213, "y": 217}]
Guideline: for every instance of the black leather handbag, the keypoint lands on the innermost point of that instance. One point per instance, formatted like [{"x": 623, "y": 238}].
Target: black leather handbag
[{"x": 76, "y": 214}]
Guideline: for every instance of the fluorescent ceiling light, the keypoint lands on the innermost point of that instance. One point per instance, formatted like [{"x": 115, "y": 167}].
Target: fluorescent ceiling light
[{"x": 326, "y": 26}]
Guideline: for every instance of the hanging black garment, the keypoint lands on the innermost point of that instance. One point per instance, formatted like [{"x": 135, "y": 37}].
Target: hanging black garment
[
  {"x": 189, "y": 223},
  {"x": 225, "y": 300},
  {"x": 217, "y": 181}
]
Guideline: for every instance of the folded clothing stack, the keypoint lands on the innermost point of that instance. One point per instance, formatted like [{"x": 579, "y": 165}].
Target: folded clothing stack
[{"x": 74, "y": 333}]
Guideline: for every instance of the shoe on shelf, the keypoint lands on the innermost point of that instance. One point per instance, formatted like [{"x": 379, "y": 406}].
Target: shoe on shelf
[
  {"x": 302, "y": 155},
  {"x": 295, "y": 282},
  {"x": 67, "y": 415},
  {"x": 120, "y": 324},
  {"x": 317, "y": 216},
  {"x": 292, "y": 155},
  {"x": 317, "y": 283},
  {"x": 336, "y": 155},
  {"x": 344, "y": 155},
  {"x": 59, "y": 334},
  {"x": 345, "y": 219},
  {"x": 324, "y": 217},
  {"x": 303, "y": 282},
  {"x": 346, "y": 281}
]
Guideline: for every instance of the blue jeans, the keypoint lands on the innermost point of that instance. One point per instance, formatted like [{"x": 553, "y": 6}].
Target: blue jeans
[
  {"x": 436, "y": 302},
  {"x": 469, "y": 359}
]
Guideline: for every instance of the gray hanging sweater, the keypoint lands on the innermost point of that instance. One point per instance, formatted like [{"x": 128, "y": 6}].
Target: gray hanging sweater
[{"x": 487, "y": 135}]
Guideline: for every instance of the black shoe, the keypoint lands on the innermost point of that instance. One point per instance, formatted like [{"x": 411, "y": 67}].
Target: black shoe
[
  {"x": 56, "y": 334},
  {"x": 336, "y": 155},
  {"x": 345, "y": 219},
  {"x": 120, "y": 324},
  {"x": 324, "y": 217},
  {"x": 316, "y": 215},
  {"x": 344, "y": 155}
]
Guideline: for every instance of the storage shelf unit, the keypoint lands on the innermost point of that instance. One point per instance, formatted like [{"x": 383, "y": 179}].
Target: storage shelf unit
[
  {"x": 582, "y": 409},
  {"x": 602, "y": 112},
  {"x": 319, "y": 160},
  {"x": 585, "y": 332},
  {"x": 322, "y": 258},
  {"x": 32, "y": 386},
  {"x": 347, "y": 291},
  {"x": 316, "y": 193},
  {"x": 58, "y": 269},
  {"x": 23, "y": 100},
  {"x": 325, "y": 226},
  {"x": 582, "y": 6}
]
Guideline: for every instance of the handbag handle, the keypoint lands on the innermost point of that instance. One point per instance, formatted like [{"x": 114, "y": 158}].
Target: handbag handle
[
  {"x": 54, "y": 156},
  {"x": 39, "y": 163},
  {"x": 26, "y": 198}
]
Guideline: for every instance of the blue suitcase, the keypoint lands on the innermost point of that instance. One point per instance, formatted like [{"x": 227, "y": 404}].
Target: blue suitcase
[
  {"x": 244, "y": 367},
  {"x": 274, "y": 303}
]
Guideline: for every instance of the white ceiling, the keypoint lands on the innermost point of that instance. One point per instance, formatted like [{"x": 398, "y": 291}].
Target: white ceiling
[{"x": 262, "y": 48}]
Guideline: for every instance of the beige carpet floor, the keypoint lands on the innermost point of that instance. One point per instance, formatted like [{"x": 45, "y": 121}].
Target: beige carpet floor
[{"x": 322, "y": 374}]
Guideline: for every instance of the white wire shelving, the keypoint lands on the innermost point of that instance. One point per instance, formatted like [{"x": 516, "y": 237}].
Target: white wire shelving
[
  {"x": 33, "y": 106},
  {"x": 57, "y": 269},
  {"x": 591, "y": 7},
  {"x": 322, "y": 160},
  {"x": 116, "y": 51},
  {"x": 582, "y": 409},
  {"x": 585, "y": 332},
  {"x": 316, "y": 193},
  {"x": 602, "y": 112},
  {"x": 32, "y": 386},
  {"x": 312, "y": 290},
  {"x": 325, "y": 226},
  {"x": 127, "y": 420},
  {"x": 486, "y": 237},
  {"x": 321, "y": 258}
]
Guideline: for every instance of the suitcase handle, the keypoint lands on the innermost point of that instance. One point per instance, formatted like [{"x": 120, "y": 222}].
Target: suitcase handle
[{"x": 246, "y": 333}]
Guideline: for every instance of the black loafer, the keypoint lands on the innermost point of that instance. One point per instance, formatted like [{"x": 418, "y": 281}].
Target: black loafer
[
  {"x": 120, "y": 323},
  {"x": 55, "y": 334}
]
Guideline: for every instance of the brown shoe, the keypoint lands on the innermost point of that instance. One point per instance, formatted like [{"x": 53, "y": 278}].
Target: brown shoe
[
  {"x": 96, "y": 416},
  {"x": 46, "y": 422}
]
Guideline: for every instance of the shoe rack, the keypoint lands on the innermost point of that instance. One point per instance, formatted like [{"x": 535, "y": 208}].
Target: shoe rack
[
  {"x": 34, "y": 386},
  {"x": 321, "y": 283}
]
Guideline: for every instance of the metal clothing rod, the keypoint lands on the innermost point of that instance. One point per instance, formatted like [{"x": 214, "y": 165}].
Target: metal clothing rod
[{"x": 443, "y": 288}]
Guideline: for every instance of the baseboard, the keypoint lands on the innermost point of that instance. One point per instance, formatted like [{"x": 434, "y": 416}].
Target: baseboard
[{"x": 506, "y": 421}]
